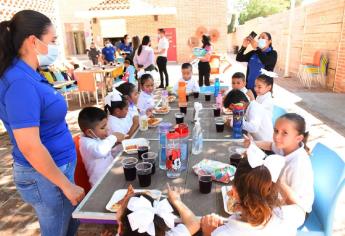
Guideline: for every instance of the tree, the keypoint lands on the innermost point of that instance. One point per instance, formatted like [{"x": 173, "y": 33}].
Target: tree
[{"x": 263, "y": 8}]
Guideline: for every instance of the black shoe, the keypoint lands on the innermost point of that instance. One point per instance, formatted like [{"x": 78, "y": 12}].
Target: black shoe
[{"x": 161, "y": 86}]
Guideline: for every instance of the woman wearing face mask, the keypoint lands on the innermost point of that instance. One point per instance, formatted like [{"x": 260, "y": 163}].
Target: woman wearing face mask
[
  {"x": 34, "y": 116},
  {"x": 263, "y": 56}
]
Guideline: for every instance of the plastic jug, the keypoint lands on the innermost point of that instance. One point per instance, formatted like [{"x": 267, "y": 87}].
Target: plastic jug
[
  {"x": 183, "y": 131},
  {"x": 173, "y": 154},
  {"x": 163, "y": 130}
]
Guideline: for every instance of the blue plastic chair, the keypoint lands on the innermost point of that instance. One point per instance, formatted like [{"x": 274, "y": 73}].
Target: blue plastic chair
[
  {"x": 329, "y": 173},
  {"x": 277, "y": 112}
]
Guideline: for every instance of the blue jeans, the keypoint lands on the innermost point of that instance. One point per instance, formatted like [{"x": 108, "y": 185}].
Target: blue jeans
[{"x": 53, "y": 209}]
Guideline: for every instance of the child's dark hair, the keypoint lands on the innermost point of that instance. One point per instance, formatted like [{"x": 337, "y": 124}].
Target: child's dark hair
[
  {"x": 233, "y": 97},
  {"x": 300, "y": 125},
  {"x": 127, "y": 62},
  {"x": 186, "y": 66},
  {"x": 144, "y": 78},
  {"x": 268, "y": 80},
  {"x": 257, "y": 193},
  {"x": 205, "y": 41},
  {"x": 239, "y": 75},
  {"x": 126, "y": 89},
  {"x": 160, "y": 226},
  {"x": 89, "y": 117},
  {"x": 116, "y": 105}
]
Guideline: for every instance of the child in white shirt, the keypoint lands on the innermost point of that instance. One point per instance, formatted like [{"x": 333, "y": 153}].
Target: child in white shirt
[
  {"x": 117, "y": 107},
  {"x": 95, "y": 144},
  {"x": 289, "y": 140},
  {"x": 238, "y": 81},
  {"x": 263, "y": 88},
  {"x": 187, "y": 76},
  {"x": 136, "y": 212},
  {"x": 258, "y": 210},
  {"x": 129, "y": 91},
  {"x": 256, "y": 121},
  {"x": 146, "y": 102}
]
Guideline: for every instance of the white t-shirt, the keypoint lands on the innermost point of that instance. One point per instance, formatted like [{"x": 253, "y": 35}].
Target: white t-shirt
[
  {"x": 163, "y": 43},
  {"x": 258, "y": 122},
  {"x": 284, "y": 222},
  {"x": 191, "y": 85},
  {"x": 298, "y": 174},
  {"x": 132, "y": 111},
  {"x": 266, "y": 101},
  {"x": 145, "y": 101},
  {"x": 121, "y": 125},
  {"x": 96, "y": 155}
]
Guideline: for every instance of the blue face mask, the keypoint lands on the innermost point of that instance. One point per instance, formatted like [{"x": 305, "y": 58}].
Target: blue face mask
[
  {"x": 49, "y": 58},
  {"x": 262, "y": 43}
]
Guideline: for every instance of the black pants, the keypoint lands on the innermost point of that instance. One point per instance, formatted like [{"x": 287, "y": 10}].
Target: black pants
[
  {"x": 204, "y": 73},
  {"x": 94, "y": 61},
  {"x": 162, "y": 67}
]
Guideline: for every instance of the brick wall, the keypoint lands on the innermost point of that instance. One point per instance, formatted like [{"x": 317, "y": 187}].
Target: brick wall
[
  {"x": 317, "y": 26},
  {"x": 339, "y": 83},
  {"x": 190, "y": 15}
]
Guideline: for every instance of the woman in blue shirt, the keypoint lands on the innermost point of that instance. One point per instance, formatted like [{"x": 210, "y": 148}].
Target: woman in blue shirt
[
  {"x": 263, "y": 56},
  {"x": 125, "y": 45},
  {"x": 34, "y": 116}
]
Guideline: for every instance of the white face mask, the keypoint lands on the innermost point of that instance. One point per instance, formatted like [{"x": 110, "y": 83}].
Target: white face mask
[
  {"x": 49, "y": 58},
  {"x": 262, "y": 43},
  {"x": 108, "y": 45}
]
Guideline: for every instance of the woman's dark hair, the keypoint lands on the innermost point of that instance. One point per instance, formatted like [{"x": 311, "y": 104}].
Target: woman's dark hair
[
  {"x": 161, "y": 31},
  {"x": 258, "y": 195},
  {"x": 269, "y": 37},
  {"x": 300, "y": 125},
  {"x": 135, "y": 42},
  {"x": 268, "y": 80},
  {"x": 146, "y": 40},
  {"x": 89, "y": 117},
  {"x": 160, "y": 226},
  {"x": 205, "y": 41},
  {"x": 124, "y": 38},
  {"x": 126, "y": 89},
  {"x": 14, "y": 32},
  {"x": 233, "y": 97},
  {"x": 116, "y": 105},
  {"x": 144, "y": 78}
]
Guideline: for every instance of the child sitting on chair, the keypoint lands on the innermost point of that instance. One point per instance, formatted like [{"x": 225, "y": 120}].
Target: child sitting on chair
[
  {"x": 255, "y": 202},
  {"x": 256, "y": 120},
  {"x": 95, "y": 144},
  {"x": 116, "y": 105},
  {"x": 141, "y": 215},
  {"x": 238, "y": 81},
  {"x": 187, "y": 76}
]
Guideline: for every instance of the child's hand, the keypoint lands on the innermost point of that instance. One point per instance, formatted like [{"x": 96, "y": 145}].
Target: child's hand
[
  {"x": 246, "y": 141},
  {"x": 209, "y": 223},
  {"x": 149, "y": 112},
  {"x": 173, "y": 194},
  {"x": 119, "y": 136}
]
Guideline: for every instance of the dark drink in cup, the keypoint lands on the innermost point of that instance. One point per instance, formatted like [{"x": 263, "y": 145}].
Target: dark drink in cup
[
  {"x": 207, "y": 97},
  {"x": 187, "y": 97},
  {"x": 150, "y": 157},
  {"x": 129, "y": 168},
  {"x": 142, "y": 150},
  {"x": 144, "y": 180},
  {"x": 183, "y": 110},
  {"x": 144, "y": 170},
  {"x": 235, "y": 159},
  {"x": 205, "y": 183},
  {"x": 179, "y": 118},
  {"x": 196, "y": 94},
  {"x": 220, "y": 127},
  {"x": 216, "y": 112}
]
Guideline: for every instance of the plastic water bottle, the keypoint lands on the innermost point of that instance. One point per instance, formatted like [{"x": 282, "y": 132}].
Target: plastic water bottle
[
  {"x": 197, "y": 143},
  {"x": 219, "y": 101},
  {"x": 165, "y": 101},
  {"x": 216, "y": 87},
  {"x": 163, "y": 129}
]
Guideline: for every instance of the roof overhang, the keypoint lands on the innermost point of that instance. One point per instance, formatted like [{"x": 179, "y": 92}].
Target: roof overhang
[{"x": 126, "y": 12}]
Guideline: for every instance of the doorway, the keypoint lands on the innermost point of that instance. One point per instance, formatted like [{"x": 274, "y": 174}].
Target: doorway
[{"x": 79, "y": 42}]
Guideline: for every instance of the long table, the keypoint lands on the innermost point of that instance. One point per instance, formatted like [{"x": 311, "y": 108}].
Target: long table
[{"x": 92, "y": 208}]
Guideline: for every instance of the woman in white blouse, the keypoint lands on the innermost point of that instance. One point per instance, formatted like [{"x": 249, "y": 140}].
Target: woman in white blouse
[{"x": 144, "y": 56}]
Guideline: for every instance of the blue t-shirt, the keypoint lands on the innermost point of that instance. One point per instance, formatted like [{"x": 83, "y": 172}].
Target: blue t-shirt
[
  {"x": 28, "y": 100},
  {"x": 109, "y": 53},
  {"x": 126, "y": 48},
  {"x": 255, "y": 65}
]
